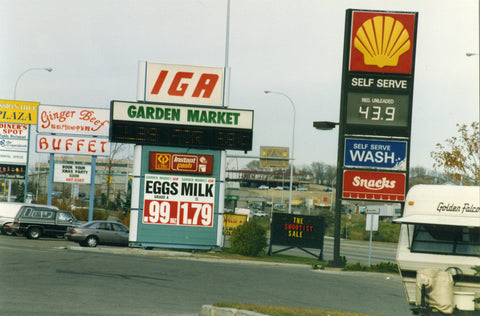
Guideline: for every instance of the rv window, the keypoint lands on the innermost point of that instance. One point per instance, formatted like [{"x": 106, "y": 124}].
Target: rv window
[{"x": 450, "y": 240}]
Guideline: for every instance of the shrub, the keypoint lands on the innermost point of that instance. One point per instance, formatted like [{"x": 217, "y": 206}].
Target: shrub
[
  {"x": 382, "y": 267},
  {"x": 248, "y": 239}
]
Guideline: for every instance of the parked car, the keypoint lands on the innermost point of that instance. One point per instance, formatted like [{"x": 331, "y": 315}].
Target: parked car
[
  {"x": 99, "y": 232},
  {"x": 8, "y": 211},
  {"x": 34, "y": 222},
  {"x": 301, "y": 189},
  {"x": 279, "y": 188},
  {"x": 260, "y": 213},
  {"x": 263, "y": 187}
]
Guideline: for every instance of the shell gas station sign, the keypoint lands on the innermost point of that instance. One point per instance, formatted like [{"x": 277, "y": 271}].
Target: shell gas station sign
[
  {"x": 382, "y": 42},
  {"x": 376, "y": 104}
]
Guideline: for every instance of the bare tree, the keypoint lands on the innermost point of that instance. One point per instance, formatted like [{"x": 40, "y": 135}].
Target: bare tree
[{"x": 460, "y": 155}]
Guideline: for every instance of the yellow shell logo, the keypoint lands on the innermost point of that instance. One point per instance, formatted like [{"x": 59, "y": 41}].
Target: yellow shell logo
[{"x": 382, "y": 40}]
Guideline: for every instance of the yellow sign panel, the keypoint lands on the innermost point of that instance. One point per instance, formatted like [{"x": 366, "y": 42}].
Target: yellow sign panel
[
  {"x": 20, "y": 112},
  {"x": 274, "y": 156},
  {"x": 232, "y": 221}
]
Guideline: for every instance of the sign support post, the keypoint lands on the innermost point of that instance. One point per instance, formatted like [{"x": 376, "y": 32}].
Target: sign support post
[{"x": 375, "y": 109}]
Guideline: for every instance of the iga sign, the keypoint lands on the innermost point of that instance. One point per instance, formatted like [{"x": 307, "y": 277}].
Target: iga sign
[
  {"x": 173, "y": 200},
  {"x": 182, "y": 163},
  {"x": 369, "y": 185},
  {"x": 380, "y": 154},
  {"x": 180, "y": 84},
  {"x": 74, "y": 145},
  {"x": 66, "y": 173},
  {"x": 71, "y": 120}
]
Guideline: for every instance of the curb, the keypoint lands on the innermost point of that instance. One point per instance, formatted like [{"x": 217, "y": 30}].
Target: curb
[{"x": 210, "y": 310}]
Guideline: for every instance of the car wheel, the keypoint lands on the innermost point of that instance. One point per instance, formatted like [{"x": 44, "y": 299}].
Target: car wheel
[
  {"x": 91, "y": 241},
  {"x": 5, "y": 232},
  {"x": 34, "y": 233}
]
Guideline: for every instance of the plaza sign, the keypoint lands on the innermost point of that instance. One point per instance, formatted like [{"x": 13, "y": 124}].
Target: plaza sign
[{"x": 21, "y": 112}]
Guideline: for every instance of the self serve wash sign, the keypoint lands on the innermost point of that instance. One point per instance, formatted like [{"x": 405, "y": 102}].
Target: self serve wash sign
[{"x": 381, "y": 154}]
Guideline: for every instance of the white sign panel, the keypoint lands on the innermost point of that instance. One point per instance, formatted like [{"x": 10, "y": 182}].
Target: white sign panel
[
  {"x": 174, "y": 200},
  {"x": 68, "y": 173},
  {"x": 180, "y": 84},
  {"x": 13, "y": 137},
  {"x": 75, "y": 145},
  {"x": 72, "y": 120},
  {"x": 13, "y": 157},
  {"x": 371, "y": 222}
]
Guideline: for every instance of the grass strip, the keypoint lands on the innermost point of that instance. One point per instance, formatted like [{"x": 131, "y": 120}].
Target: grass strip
[{"x": 287, "y": 311}]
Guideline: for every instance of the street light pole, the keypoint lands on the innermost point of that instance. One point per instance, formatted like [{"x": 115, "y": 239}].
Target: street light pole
[
  {"x": 28, "y": 138},
  {"x": 325, "y": 125},
  {"x": 21, "y": 75},
  {"x": 293, "y": 147}
]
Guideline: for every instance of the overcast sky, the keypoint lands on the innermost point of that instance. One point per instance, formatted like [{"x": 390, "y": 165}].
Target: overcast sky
[{"x": 293, "y": 46}]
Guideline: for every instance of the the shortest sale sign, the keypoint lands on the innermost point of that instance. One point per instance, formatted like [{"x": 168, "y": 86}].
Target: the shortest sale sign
[
  {"x": 174, "y": 200},
  {"x": 370, "y": 185}
]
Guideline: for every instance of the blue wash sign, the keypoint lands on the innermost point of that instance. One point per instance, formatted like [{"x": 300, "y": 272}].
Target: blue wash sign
[{"x": 369, "y": 153}]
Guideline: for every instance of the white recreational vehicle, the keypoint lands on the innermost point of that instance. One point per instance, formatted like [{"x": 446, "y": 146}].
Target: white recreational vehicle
[{"x": 440, "y": 231}]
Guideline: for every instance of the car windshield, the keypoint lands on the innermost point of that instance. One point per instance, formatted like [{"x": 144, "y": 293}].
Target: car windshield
[{"x": 450, "y": 240}]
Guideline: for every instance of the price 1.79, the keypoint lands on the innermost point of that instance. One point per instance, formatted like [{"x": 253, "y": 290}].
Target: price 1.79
[{"x": 178, "y": 213}]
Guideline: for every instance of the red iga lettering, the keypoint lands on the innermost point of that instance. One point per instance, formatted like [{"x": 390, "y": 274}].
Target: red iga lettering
[
  {"x": 206, "y": 84},
  {"x": 174, "y": 88},
  {"x": 158, "y": 84}
]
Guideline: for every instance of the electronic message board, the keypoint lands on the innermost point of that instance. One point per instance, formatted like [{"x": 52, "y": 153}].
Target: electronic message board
[
  {"x": 377, "y": 109},
  {"x": 181, "y": 126},
  {"x": 297, "y": 230}
]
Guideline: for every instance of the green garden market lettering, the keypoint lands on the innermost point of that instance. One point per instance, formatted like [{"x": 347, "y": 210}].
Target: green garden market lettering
[{"x": 174, "y": 114}]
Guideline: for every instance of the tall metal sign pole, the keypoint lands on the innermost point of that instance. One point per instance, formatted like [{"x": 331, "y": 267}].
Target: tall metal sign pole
[{"x": 375, "y": 110}]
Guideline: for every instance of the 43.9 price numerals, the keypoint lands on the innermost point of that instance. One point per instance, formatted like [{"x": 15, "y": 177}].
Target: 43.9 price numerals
[{"x": 178, "y": 213}]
